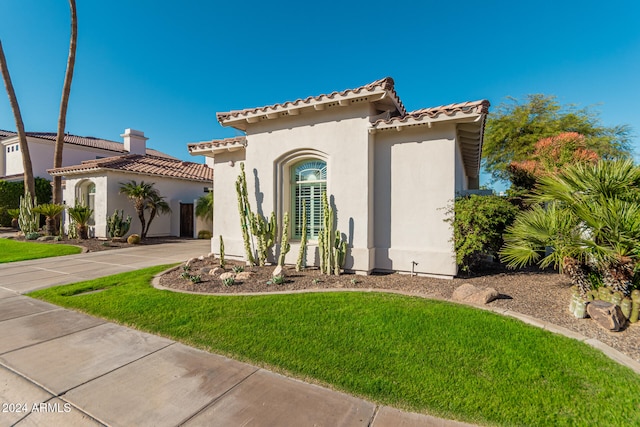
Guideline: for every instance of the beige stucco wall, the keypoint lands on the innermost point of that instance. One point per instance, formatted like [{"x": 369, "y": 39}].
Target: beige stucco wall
[
  {"x": 391, "y": 189},
  {"x": 108, "y": 199}
]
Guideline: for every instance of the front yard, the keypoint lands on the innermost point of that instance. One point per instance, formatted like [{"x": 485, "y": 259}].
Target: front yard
[{"x": 428, "y": 356}]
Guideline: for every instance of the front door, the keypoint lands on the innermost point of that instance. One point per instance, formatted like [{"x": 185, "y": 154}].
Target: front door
[{"x": 186, "y": 219}]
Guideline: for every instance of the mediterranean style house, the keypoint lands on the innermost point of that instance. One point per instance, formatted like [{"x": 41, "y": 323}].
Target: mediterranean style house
[
  {"x": 390, "y": 174},
  {"x": 96, "y": 183},
  {"x": 76, "y": 150}
]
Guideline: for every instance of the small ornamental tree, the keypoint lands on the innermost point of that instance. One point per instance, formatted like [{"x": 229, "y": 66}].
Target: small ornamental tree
[
  {"x": 478, "y": 224},
  {"x": 549, "y": 156}
]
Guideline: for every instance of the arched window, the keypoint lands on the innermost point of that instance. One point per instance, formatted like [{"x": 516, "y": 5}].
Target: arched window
[{"x": 308, "y": 181}]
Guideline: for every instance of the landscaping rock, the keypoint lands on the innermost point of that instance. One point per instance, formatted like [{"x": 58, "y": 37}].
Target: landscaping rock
[
  {"x": 227, "y": 275},
  {"x": 244, "y": 275},
  {"x": 45, "y": 238},
  {"x": 470, "y": 294},
  {"x": 190, "y": 261},
  {"x": 607, "y": 315},
  {"x": 216, "y": 270},
  {"x": 206, "y": 270},
  {"x": 201, "y": 258},
  {"x": 278, "y": 271}
]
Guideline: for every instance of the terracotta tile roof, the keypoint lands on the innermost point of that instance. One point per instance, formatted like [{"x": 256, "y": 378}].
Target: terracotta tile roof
[
  {"x": 471, "y": 107},
  {"x": 147, "y": 165},
  {"x": 87, "y": 141},
  {"x": 196, "y": 147},
  {"x": 386, "y": 84},
  {"x": 6, "y": 133}
]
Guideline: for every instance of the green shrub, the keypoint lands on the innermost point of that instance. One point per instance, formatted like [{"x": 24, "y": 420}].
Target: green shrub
[
  {"x": 204, "y": 234},
  {"x": 478, "y": 225},
  {"x": 10, "y": 193},
  {"x": 134, "y": 239},
  {"x": 32, "y": 236}
]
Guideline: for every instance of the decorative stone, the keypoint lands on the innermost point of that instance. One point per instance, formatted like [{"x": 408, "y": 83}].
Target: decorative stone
[
  {"x": 227, "y": 275},
  {"x": 190, "y": 261},
  {"x": 45, "y": 238},
  {"x": 205, "y": 270},
  {"x": 244, "y": 275},
  {"x": 607, "y": 315},
  {"x": 211, "y": 255},
  {"x": 277, "y": 271},
  {"x": 201, "y": 258},
  {"x": 216, "y": 270},
  {"x": 470, "y": 294}
]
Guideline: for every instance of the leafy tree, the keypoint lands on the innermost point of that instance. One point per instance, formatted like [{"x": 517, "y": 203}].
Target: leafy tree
[
  {"x": 204, "y": 206},
  {"x": 514, "y": 128},
  {"x": 64, "y": 102},
  {"x": 590, "y": 216},
  {"x": 29, "y": 180},
  {"x": 478, "y": 224}
]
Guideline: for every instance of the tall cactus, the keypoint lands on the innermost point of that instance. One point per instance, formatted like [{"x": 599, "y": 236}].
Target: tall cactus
[
  {"x": 284, "y": 241},
  {"x": 118, "y": 226},
  {"x": 246, "y": 217},
  {"x": 221, "y": 252},
  {"x": 29, "y": 219},
  {"x": 302, "y": 253},
  {"x": 332, "y": 248}
]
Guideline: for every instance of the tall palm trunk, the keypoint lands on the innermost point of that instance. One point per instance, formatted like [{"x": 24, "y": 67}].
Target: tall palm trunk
[
  {"x": 29, "y": 182},
  {"x": 66, "y": 90},
  {"x": 619, "y": 275}
]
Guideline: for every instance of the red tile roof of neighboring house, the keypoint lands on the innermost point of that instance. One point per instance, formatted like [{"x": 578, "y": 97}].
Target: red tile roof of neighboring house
[
  {"x": 86, "y": 141},
  {"x": 386, "y": 84},
  {"x": 217, "y": 143},
  {"x": 147, "y": 165}
]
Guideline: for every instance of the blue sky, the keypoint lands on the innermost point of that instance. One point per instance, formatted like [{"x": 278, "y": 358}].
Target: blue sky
[{"x": 167, "y": 67}]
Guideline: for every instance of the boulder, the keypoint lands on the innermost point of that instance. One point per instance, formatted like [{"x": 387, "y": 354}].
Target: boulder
[
  {"x": 201, "y": 258},
  {"x": 244, "y": 275},
  {"x": 607, "y": 315},
  {"x": 227, "y": 275},
  {"x": 278, "y": 271},
  {"x": 473, "y": 295},
  {"x": 45, "y": 238},
  {"x": 190, "y": 261},
  {"x": 216, "y": 270}
]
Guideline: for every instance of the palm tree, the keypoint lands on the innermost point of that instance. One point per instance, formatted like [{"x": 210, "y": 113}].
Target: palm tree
[
  {"x": 51, "y": 211},
  {"x": 29, "y": 181},
  {"x": 81, "y": 215},
  {"x": 591, "y": 220},
  {"x": 156, "y": 204},
  {"x": 204, "y": 206},
  {"x": 139, "y": 194},
  {"x": 62, "y": 117}
]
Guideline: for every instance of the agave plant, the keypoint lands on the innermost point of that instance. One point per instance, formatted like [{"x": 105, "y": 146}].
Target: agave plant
[
  {"x": 51, "y": 211},
  {"x": 81, "y": 215}
]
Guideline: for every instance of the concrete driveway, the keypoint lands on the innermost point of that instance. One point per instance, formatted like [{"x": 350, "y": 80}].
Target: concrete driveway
[{"x": 63, "y": 368}]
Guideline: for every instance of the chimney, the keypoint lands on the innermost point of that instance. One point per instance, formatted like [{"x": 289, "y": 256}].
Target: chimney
[{"x": 134, "y": 141}]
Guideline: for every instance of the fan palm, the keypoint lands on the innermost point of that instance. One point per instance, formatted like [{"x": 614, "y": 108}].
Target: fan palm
[
  {"x": 204, "y": 206},
  {"x": 51, "y": 211},
  {"x": 139, "y": 194},
  {"x": 594, "y": 213},
  {"x": 156, "y": 204}
]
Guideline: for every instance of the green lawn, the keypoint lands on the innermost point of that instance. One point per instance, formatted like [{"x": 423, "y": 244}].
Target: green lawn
[
  {"x": 11, "y": 250},
  {"x": 428, "y": 356}
]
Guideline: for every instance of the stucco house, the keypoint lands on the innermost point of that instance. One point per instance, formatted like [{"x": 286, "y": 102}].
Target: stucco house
[
  {"x": 76, "y": 150},
  {"x": 391, "y": 174},
  {"x": 96, "y": 183}
]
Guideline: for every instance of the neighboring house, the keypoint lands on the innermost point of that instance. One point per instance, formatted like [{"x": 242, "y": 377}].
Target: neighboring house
[
  {"x": 96, "y": 183},
  {"x": 392, "y": 175},
  {"x": 76, "y": 150}
]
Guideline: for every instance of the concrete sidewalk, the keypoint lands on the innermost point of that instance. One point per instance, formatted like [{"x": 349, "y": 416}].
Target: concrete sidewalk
[{"x": 59, "y": 367}]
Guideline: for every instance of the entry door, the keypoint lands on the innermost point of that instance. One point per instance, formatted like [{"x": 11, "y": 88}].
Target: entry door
[{"x": 186, "y": 219}]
